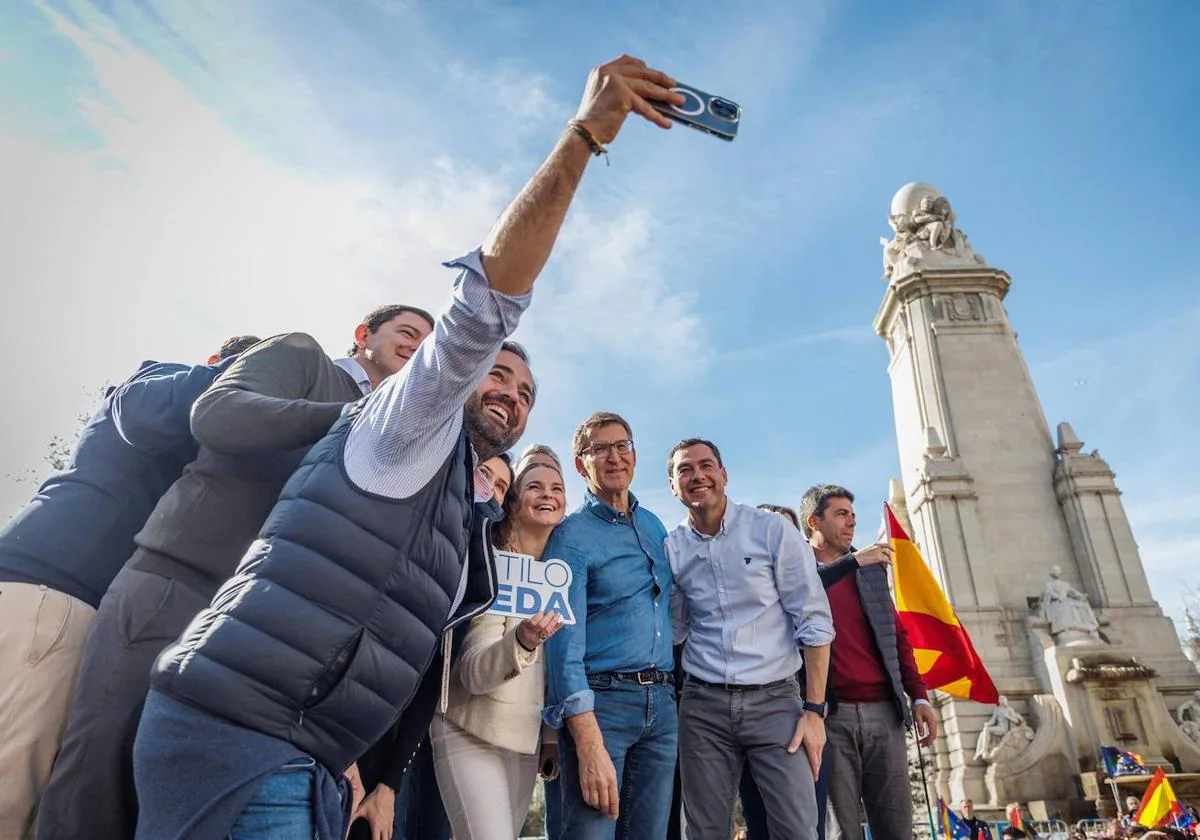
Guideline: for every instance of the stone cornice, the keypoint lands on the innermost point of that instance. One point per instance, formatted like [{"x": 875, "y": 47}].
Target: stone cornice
[{"x": 982, "y": 280}]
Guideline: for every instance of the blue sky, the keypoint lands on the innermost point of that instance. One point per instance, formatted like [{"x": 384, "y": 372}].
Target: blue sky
[{"x": 178, "y": 172}]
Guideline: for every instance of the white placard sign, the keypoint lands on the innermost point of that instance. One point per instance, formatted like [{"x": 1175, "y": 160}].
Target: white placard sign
[{"x": 525, "y": 586}]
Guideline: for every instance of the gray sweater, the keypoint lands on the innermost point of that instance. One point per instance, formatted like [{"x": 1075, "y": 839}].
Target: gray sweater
[{"x": 254, "y": 426}]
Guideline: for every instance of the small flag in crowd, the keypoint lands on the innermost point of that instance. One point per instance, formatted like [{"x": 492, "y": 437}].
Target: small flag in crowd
[
  {"x": 952, "y": 826},
  {"x": 943, "y": 650},
  {"x": 1013, "y": 811},
  {"x": 1159, "y": 805},
  {"x": 1120, "y": 763}
]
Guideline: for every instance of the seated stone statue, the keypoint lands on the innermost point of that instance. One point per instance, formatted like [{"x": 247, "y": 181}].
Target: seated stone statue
[
  {"x": 1005, "y": 721},
  {"x": 1066, "y": 608},
  {"x": 1188, "y": 715}
]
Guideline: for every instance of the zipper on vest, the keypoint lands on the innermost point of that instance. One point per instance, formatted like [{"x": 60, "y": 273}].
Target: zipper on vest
[{"x": 489, "y": 566}]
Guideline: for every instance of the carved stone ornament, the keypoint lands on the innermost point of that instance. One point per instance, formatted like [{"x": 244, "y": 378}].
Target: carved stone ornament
[
  {"x": 1188, "y": 715},
  {"x": 925, "y": 234},
  {"x": 960, "y": 307},
  {"x": 1067, "y": 609},
  {"x": 1110, "y": 672},
  {"x": 1005, "y": 735}
]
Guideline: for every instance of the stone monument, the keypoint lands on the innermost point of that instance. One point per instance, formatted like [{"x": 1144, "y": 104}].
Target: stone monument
[{"x": 1027, "y": 536}]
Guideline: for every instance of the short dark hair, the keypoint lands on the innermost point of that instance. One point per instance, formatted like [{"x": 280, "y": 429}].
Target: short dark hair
[
  {"x": 598, "y": 420},
  {"x": 376, "y": 318},
  {"x": 786, "y": 512},
  {"x": 689, "y": 442},
  {"x": 237, "y": 345},
  {"x": 518, "y": 350},
  {"x": 1011, "y": 832},
  {"x": 816, "y": 499}
]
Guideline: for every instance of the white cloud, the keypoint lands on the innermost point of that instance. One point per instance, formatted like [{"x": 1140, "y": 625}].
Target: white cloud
[{"x": 178, "y": 234}]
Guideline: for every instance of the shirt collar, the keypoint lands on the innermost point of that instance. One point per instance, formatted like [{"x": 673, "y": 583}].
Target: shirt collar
[
  {"x": 606, "y": 511},
  {"x": 352, "y": 367}
]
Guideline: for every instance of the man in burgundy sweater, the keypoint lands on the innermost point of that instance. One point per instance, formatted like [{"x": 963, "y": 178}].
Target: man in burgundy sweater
[{"x": 871, "y": 670}]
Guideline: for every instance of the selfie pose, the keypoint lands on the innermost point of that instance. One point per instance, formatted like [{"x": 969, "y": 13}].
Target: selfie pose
[{"x": 488, "y": 737}]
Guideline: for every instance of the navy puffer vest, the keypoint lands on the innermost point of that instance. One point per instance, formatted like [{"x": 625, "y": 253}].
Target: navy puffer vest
[
  {"x": 876, "y": 600},
  {"x": 322, "y": 635}
]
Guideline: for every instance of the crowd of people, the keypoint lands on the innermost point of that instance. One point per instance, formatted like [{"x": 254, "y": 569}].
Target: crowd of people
[{"x": 256, "y": 605}]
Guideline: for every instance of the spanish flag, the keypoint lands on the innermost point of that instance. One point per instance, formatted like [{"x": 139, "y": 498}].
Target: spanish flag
[
  {"x": 1159, "y": 805},
  {"x": 943, "y": 650}
]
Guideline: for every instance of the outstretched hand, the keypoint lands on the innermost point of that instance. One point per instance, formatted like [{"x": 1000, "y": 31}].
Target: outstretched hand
[{"x": 616, "y": 89}]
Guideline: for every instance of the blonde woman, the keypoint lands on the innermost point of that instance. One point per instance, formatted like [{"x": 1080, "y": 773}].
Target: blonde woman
[{"x": 488, "y": 743}]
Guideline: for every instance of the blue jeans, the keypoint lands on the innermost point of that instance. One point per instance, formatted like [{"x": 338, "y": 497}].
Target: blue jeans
[
  {"x": 283, "y": 807},
  {"x": 754, "y": 810},
  {"x": 554, "y": 816},
  {"x": 641, "y": 734}
]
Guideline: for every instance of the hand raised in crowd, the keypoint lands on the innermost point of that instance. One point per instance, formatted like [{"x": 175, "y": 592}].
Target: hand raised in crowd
[
  {"x": 619, "y": 87},
  {"x": 878, "y": 553},
  {"x": 925, "y": 721},
  {"x": 536, "y": 629},
  {"x": 810, "y": 734},
  {"x": 379, "y": 810}
]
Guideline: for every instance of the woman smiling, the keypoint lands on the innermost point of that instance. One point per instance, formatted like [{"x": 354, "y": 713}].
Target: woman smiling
[{"x": 487, "y": 741}]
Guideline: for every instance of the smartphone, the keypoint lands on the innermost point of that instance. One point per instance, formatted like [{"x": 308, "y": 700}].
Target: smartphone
[{"x": 713, "y": 115}]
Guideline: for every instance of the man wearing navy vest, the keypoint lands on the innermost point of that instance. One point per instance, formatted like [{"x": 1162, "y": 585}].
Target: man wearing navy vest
[
  {"x": 872, "y": 668},
  {"x": 323, "y": 636},
  {"x": 59, "y": 554}
]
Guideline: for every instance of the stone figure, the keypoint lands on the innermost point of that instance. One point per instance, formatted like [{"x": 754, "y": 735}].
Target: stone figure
[
  {"x": 1004, "y": 722},
  {"x": 1188, "y": 715},
  {"x": 1066, "y": 608},
  {"x": 934, "y": 223},
  {"x": 924, "y": 232}
]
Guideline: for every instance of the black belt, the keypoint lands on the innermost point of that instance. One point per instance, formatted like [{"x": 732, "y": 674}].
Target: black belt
[
  {"x": 651, "y": 676},
  {"x": 738, "y": 686}
]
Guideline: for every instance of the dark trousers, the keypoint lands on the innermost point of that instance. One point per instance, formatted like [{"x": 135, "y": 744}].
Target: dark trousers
[
  {"x": 722, "y": 729},
  {"x": 867, "y": 757},
  {"x": 420, "y": 814},
  {"x": 91, "y": 792},
  {"x": 755, "y": 811},
  {"x": 553, "y": 810}
]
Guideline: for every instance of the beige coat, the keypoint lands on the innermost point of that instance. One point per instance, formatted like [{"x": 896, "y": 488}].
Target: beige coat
[{"x": 496, "y": 690}]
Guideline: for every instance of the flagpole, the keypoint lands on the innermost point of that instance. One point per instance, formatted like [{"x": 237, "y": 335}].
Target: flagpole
[{"x": 925, "y": 785}]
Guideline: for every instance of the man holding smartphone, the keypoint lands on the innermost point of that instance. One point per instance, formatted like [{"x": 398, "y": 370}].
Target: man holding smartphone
[{"x": 331, "y": 629}]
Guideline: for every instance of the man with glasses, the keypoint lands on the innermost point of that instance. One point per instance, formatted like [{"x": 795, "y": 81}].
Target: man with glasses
[{"x": 609, "y": 675}]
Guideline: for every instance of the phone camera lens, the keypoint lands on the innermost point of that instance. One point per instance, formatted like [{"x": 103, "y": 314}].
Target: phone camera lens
[{"x": 724, "y": 109}]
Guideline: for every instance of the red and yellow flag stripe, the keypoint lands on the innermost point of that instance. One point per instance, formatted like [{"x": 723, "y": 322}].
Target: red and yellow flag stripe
[{"x": 943, "y": 650}]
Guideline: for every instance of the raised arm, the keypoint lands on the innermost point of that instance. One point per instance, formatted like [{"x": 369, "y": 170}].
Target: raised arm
[
  {"x": 520, "y": 243},
  {"x": 259, "y": 404}
]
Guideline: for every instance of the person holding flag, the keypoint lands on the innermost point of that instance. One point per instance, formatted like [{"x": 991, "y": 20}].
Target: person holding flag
[{"x": 872, "y": 669}]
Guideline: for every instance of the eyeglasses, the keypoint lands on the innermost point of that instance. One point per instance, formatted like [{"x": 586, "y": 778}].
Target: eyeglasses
[{"x": 599, "y": 451}]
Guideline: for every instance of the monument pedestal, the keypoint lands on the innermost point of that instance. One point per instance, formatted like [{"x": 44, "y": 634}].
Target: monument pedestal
[{"x": 1027, "y": 536}]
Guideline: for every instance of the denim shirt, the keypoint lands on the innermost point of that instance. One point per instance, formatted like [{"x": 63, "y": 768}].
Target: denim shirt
[{"x": 620, "y": 595}]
